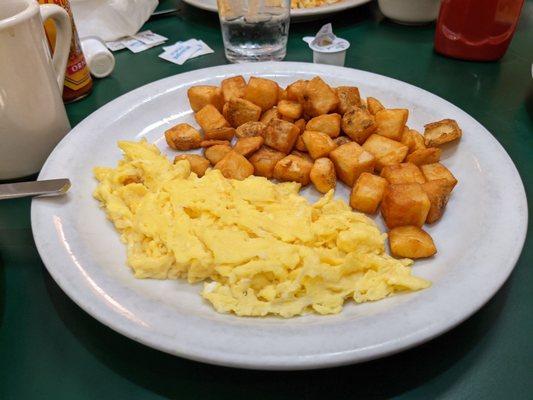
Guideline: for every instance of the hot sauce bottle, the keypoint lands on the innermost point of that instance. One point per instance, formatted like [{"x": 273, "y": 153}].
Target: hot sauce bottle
[{"x": 78, "y": 82}]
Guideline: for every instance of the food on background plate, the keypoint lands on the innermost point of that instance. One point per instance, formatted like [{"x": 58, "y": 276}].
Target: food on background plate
[
  {"x": 311, "y": 3},
  {"x": 259, "y": 246}
]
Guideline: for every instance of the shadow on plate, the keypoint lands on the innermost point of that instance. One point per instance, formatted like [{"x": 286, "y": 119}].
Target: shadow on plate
[{"x": 174, "y": 377}]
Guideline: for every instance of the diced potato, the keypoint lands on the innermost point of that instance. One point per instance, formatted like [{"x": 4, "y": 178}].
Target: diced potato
[
  {"x": 262, "y": 92},
  {"x": 183, "y": 137},
  {"x": 440, "y": 132},
  {"x": 217, "y": 152},
  {"x": 390, "y": 122},
  {"x": 233, "y": 87},
  {"x": 300, "y": 124},
  {"x": 367, "y": 193},
  {"x": 358, "y": 124},
  {"x": 248, "y": 145},
  {"x": 290, "y": 109},
  {"x": 209, "y": 143},
  {"x": 209, "y": 118},
  {"x": 350, "y": 161},
  {"x": 235, "y": 166},
  {"x": 405, "y": 204},
  {"x": 339, "y": 141},
  {"x": 435, "y": 171},
  {"x": 224, "y": 133},
  {"x": 198, "y": 163},
  {"x": 411, "y": 242},
  {"x": 240, "y": 111},
  {"x": 319, "y": 98},
  {"x": 323, "y": 175},
  {"x": 329, "y": 124},
  {"x": 300, "y": 145},
  {"x": 270, "y": 114},
  {"x": 413, "y": 140},
  {"x": 250, "y": 129},
  {"x": 318, "y": 144},
  {"x": 293, "y": 169},
  {"x": 348, "y": 97},
  {"x": 296, "y": 90},
  {"x": 264, "y": 160},
  {"x": 403, "y": 173},
  {"x": 386, "y": 151},
  {"x": 438, "y": 192},
  {"x": 200, "y": 96},
  {"x": 429, "y": 155},
  {"x": 282, "y": 94},
  {"x": 303, "y": 155},
  {"x": 281, "y": 135},
  {"x": 373, "y": 105}
]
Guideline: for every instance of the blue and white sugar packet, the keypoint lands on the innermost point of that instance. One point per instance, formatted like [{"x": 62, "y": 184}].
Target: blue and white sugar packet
[
  {"x": 180, "y": 52},
  {"x": 139, "y": 42}
]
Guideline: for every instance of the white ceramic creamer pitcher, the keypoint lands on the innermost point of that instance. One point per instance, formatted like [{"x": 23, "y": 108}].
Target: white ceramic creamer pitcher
[{"x": 32, "y": 114}]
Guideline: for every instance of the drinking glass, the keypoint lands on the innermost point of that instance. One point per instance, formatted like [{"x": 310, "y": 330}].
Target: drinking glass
[{"x": 254, "y": 30}]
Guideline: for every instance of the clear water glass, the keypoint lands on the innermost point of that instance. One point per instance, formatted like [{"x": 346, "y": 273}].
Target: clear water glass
[{"x": 254, "y": 30}]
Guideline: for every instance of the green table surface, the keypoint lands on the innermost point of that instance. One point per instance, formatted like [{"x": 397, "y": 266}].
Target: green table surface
[{"x": 51, "y": 349}]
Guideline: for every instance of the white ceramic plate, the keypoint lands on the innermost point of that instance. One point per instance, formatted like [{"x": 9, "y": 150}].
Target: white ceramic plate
[
  {"x": 298, "y": 14},
  {"x": 479, "y": 238}
]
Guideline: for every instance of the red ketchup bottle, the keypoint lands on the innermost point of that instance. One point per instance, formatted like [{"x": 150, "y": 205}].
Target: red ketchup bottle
[{"x": 478, "y": 30}]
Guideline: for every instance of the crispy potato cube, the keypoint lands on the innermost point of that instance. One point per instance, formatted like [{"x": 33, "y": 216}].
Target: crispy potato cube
[
  {"x": 440, "y": 132},
  {"x": 235, "y": 166},
  {"x": 303, "y": 155},
  {"x": 339, "y": 141},
  {"x": 183, "y": 137},
  {"x": 209, "y": 143},
  {"x": 296, "y": 90},
  {"x": 290, "y": 109},
  {"x": 262, "y": 92},
  {"x": 319, "y": 98},
  {"x": 233, "y": 87},
  {"x": 282, "y": 94},
  {"x": 224, "y": 133},
  {"x": 323, "y": 175},
  {"x": 405, "y": 204},
  {"x": 373, "y": 105},
  {"x": 413, "y": 140},
  {"x": 300, "y": 124},
  {"x": 240, "y": 111},
  {"x": 318, "y": 144},
  {"x": 429, "y": 155},
  {"x": 198, "y": 163},
  {"x": 293, "y": 169},
  {"x": 435, "y": 171},
  {"x": 200, "y": 96},
  {"x": 209, "y": 118},
  {"x": 264, "y": 160},
  {"x": 403, "y": 173},
  {"x": 390, "y": 122},
  {"x": 217, "y": 152},
  {"x": 411, "y": 242},
  {"x": 348, "y": 97},
  {"x": 438, "y": 192},
  {"x": 367, "y": 193},
  {"x": 250, "y": 129},
  {"x": 281, "y": 135},
  {"x": 358, "y": 124},
  {"x": 350, "y": 161},
  {"x": 270, "y": 114},
  {"x": 386, "y": 151},
  {"x": 246, "y": 146},
  {"x": 300, "y": 145},
  {"x": 329, "y": 124}
]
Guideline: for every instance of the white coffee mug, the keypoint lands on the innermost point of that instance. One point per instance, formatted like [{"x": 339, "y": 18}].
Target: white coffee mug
[{"x": 32, "y": 115}]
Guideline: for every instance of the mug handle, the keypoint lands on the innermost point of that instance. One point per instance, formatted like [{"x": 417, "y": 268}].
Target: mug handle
[{"x": 63, "y": 38}]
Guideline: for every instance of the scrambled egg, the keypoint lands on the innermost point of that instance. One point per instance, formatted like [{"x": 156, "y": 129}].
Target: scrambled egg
[{"x": 260, "y": 246}]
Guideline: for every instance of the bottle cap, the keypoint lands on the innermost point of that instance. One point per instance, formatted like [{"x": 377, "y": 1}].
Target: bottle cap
[{"x": 100, "y": 60}]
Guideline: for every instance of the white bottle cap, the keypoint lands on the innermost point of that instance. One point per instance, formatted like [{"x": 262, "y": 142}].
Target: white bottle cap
[{"x": 100, "y": 60}]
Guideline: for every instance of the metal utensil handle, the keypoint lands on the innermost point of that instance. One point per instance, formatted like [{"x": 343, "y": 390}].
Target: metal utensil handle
[{"x": 51, "y": 187}]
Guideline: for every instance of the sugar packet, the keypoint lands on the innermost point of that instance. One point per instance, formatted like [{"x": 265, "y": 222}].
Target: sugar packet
[{"x": 180, "y": 52}]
